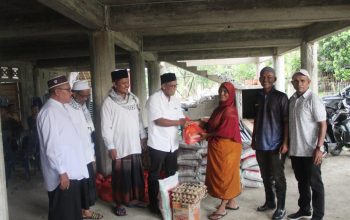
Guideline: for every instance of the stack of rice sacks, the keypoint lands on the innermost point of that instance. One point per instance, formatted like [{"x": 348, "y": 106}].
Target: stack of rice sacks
[
  {"x": 192, "y": 162},
  {"x": 250, "y": 171}
]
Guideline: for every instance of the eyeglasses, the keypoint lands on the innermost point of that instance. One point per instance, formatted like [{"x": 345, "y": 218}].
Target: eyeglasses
[
  {"x": 172, "y": 86},
  {"x": 67, "y": 89}
]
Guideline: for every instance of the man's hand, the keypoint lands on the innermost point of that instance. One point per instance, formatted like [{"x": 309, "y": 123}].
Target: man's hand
[
  {"x": 182, "y": 121},
  {"x": 204, "y": 136},
  {"x": 64, "y": 181},
  {"x": 284, "y": 149},
  {"x": 318, "y": 156},
  {"x": 113, "y": 154}
]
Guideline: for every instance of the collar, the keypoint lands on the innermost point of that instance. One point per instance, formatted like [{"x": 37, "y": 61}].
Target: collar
[
  {"x": 305, "y": 95},
  {"x": 271, "y": 91},
  {"x": 163, "y": 96}
]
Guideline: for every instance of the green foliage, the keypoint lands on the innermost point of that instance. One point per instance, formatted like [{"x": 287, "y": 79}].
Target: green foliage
[
  {"x": 292, "y": 62},
  {"x": 334, "y": 55},
  {"x": 238, "y": 72}
]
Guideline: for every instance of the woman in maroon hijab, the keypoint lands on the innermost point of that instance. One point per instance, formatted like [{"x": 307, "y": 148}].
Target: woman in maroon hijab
[{"x": 224, "y": 152}]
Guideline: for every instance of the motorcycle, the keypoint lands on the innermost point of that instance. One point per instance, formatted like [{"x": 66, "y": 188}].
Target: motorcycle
[{"x": 338, "y": 127}]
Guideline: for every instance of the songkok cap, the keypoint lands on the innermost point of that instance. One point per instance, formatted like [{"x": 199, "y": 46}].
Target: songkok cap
[
  {"x": 302, "y": 72},
  {"x": 119, "y": 74},
  {"x": 81, "y": 85},
  {"x": 167, "y": 77},
  {"x": 56, "y": 81}
]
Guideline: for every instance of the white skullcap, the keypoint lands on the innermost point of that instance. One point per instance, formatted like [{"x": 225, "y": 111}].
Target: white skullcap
[
  {"x": 302, "y": 72},
  {"x": 81, "y": 85}
]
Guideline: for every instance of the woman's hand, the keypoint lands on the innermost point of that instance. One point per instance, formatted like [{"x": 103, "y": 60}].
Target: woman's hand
[{"x": 204, "y": 136}]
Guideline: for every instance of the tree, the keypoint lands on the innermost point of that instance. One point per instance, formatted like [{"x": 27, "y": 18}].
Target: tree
[{"x": 334, "y": 55}]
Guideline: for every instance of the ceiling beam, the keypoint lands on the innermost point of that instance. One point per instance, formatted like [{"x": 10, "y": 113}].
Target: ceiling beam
[
  {"x": 90, "y": 13},
  {"x": 40, "y": 29},
  {"x": 321, "y": 30},
  {"x": 226, "y": 40},
  {"x": 140, "y": 17},
  {"x": 214, "y": 54},
  {"x": 126, "y": 41}
]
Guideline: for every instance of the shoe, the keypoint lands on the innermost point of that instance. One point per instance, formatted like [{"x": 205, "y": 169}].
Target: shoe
[
  {"x": 279, "y": 214},
  {"x": 266, "y": 207},
  {"x": 299, "y": 215}
]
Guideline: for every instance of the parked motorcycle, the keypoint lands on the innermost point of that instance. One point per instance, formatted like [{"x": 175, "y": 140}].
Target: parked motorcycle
[{"x": 338, "y": 127}]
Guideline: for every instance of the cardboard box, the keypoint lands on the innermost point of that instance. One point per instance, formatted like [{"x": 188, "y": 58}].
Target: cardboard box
[{"x": 186, "y": 211}]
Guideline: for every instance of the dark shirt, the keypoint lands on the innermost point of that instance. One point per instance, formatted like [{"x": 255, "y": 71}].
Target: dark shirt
[{"x": 271, "y": 109}]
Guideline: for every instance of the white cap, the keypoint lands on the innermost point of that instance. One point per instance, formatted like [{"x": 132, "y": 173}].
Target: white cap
[
  {"x": 303, "y": 72},
  {"x": 81, "y": 85}
]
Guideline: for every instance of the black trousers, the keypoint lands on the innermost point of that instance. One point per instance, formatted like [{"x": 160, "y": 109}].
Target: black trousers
[
  {"x": 65, "y": 204},
  {"x": 159, "y": 160},
  {"x": 88, "y": 189},
  {"x": 309, "y": 178},
  {"x": 272, "y": 169}
]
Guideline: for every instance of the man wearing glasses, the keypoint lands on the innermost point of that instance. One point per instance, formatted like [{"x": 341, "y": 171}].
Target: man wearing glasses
[
  {"x": 164, "y": 118},
  {"x": 80, "y": 115},
  {"x": 61, "y": 152}
]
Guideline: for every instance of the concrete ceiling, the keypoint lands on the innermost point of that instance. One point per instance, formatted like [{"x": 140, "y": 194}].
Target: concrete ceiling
[{"x": 56, "y": 31}]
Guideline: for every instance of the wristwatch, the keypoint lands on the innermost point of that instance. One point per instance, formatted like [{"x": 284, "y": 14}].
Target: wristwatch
[{"x": 321, "y": 148}]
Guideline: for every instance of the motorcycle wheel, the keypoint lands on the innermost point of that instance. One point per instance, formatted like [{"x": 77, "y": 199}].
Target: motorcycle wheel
[{"x": 337, "y": 150}]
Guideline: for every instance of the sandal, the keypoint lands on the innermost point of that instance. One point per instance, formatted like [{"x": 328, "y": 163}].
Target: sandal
[
  {"x": 120, "y": 211},
  {"x": 216, "y": 216},
  {"x": 94, "y": 215},
  {"x": 229, "y": 207}
]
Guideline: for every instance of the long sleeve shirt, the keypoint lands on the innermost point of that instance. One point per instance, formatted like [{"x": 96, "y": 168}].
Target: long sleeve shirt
[
  {"x": 121, "y": 125},
  {"x": 61, "y": 148}
]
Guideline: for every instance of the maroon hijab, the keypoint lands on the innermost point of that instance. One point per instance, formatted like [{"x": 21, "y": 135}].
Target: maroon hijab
[{"x": 224, "y": 121}]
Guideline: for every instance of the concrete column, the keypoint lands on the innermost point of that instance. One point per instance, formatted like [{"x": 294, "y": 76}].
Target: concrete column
[
  {"x": 259, "y": 66},
  {"x": 102, "y": 55},
  {"x": 4, "y": 214},
  {"x": 138, "y": 79},
  {"x": 308, "y": 56},
  {"x": 278, "y": 62},
  {"x": 27, "y": 92},
  {"x": 153, "y": 76}
]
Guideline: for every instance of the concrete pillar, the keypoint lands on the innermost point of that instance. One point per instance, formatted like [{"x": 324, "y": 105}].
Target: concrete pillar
[
  {"x": 138, "y": 79},
  {"x": 102, "y": 55},
  {"x": 308, "y": 56},
  {"x": 4, "y": 214},
  {"x": 153, "y": 76},
  {"x": 27, "y": 92},
  {"x": 259, "y": 65},
  {"x": 278, "y": 62}
]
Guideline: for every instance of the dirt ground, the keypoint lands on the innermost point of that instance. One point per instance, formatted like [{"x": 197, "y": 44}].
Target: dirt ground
[{"x": 28, "y": 199}]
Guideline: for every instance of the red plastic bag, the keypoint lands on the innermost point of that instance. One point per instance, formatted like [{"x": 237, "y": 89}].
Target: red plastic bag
[
  {"x": 191, "y": 133},
  {"x": 104, "y": 187}
]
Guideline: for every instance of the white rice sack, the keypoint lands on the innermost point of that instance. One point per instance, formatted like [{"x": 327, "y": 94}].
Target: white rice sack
[
  {"x": 247, "y": 153},
  {"x": 183, "y": 145},
  {"x": 251, "y": 183},
  {"x": 190, "y": 156},
  {"x": 203, "y": 152},
  {"x": 191, "y": 163},
  {"x": 252, "y": 175},
  {"x": 204, "y": 161},
  {"x": 246, "y": 145},
  {"x": 201, "y": 178},
  {"x": 202, "y": 169},
  {"x": 249, "y": 162},
  {"x": 185, "y": 179},
  {"x": 190, "y": 173},
  {"x": 254, "y": 168},
  {"x": 165, "y": 186}
]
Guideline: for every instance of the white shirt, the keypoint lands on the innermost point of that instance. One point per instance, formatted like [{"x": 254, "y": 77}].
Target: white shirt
[
  {"x": 78, "y": 118},
  {"x": 121, "y": 126},
  {"x": 61, "y": 148},
  {"x": 159, "y": 106},
  {"x": 304, "y": 114}
]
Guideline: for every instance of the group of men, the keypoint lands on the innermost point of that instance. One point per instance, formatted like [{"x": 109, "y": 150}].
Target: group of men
[
  {"x": 66, "y": 133},
  {"x": 297, "y": 125}
]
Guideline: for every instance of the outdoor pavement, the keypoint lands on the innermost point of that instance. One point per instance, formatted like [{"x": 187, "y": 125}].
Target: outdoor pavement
[{"x": 28, "y": 199}]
